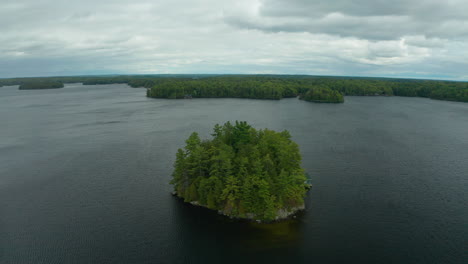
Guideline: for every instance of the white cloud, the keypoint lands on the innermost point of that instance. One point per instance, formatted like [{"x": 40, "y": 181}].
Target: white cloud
[{"x": 375, "y": 38}]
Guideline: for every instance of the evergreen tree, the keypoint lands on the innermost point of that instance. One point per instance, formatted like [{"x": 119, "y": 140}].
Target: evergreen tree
[{"x": 242, "y": 172}]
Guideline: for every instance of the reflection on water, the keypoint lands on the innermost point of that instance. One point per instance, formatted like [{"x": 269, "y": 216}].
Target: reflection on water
[
  {"x": 276, "y": 235},
  {"x": 197, "y": 229}
]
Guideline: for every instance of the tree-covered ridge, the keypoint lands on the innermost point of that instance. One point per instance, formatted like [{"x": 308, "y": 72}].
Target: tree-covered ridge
[
  {"x": 41, "y": 85},
  {"x": 279, "y": 86},
  {"x": 242, "y": 172},
  {"x": 322, "y": 95}
]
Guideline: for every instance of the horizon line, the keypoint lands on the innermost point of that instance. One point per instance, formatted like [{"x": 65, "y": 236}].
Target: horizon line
[{"x": 224, "y": 74}]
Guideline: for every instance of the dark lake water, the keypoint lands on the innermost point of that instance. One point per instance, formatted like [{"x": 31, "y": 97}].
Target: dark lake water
[{"x": 84, "y": 175}]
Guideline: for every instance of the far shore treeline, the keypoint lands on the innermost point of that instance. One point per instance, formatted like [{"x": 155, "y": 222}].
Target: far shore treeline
[
  {"x": 310, "y": 88},
  {"x": 41, "y": 85}
]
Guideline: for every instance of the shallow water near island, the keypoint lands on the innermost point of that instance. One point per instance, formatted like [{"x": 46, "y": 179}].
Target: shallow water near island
[{"x": 84, "y": 174}]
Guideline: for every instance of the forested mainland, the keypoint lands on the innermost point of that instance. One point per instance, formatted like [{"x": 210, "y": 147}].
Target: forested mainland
[
  {"x": 40, "y": 85},
  {"x": 242, "y": 172},
  {"x": 264, "y": 86}
]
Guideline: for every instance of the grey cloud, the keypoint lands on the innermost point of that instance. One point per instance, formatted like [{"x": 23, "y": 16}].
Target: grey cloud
[
  {"x": 375, "y": 38},
  {"x": 367, "y": 19},
  {"x": 425, "y": 9},
  {"x": 375, "y": 28}
]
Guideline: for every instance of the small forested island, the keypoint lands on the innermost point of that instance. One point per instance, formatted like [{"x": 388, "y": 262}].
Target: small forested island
[
  {"x": 322, "y": 95},
  {"x": 40, "y": 85},
  {"x": 242, "y": 173}
]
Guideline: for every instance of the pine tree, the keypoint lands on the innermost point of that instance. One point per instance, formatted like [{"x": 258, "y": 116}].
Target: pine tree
[{"x": 243, "y": 172}]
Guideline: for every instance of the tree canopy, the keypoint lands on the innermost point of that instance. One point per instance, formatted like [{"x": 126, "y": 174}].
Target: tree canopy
[
  {"x": 281, "y": 86},
  {"x": 40, "y": 85},
  {"x": 322, "y": 95},
  {"x": 222, "y": 87},
  {"x": 242, "y": 172},
  {"x": 266, "y": 86}
]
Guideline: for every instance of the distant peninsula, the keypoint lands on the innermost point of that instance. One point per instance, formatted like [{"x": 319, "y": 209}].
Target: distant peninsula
[
  {"x": 40, "y": 85},
  {"x": 242, "y": 173}
]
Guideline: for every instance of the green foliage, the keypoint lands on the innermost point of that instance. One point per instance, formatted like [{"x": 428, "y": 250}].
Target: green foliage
[
  {"x": 41, "y": 85},
  {"x": 450, "y": 94},
  {"x": 242, "y": 171},
  {"x": 280, "y": 86},
  {"x": 322, "y": 95},
  {"x": 264, "y": 86},
  {"x": 222, "y": 87}
]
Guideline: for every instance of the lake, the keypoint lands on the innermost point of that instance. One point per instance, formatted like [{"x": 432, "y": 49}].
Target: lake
[{"x": 85, "y": 170}]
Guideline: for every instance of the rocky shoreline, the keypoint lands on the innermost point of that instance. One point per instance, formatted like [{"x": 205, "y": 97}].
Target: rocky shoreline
[{"x": 281, "y": 214}]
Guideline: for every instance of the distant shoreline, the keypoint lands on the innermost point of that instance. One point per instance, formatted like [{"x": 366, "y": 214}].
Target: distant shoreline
[{"x": 273, "y": 87}]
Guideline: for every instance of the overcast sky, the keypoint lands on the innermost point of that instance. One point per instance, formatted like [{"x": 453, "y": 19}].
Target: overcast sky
[{"x": 401, "y": 38}]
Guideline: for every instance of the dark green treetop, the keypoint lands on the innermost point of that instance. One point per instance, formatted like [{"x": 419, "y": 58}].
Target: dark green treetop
[
  {"x": 41, "y": 85},
  {"x": 322, "y": 95}
]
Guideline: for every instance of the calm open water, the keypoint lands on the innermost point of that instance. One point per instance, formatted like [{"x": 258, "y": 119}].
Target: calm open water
[{"x": 84, "y": 175}]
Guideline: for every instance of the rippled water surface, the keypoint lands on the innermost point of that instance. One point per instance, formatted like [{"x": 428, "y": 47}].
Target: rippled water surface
[{"x": 84, "y": 175}]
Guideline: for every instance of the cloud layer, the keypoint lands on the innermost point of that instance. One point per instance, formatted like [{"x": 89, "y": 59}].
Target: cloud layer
[
  {"x": 367, "y": 19},
  {"x": 411, "y": 38}
]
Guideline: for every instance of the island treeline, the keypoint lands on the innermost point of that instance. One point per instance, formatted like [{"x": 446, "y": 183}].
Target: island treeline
[
  {"x": 322, "y": 95},
  {"x": 40, "y": 85},
  {"x": 267, "y": 86},
  {"x": 242, "y": 172},
  {"x": 133, "y": 81},
  {"x": 224, "y": 87},
  {"x": 277, "y": 87}
]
